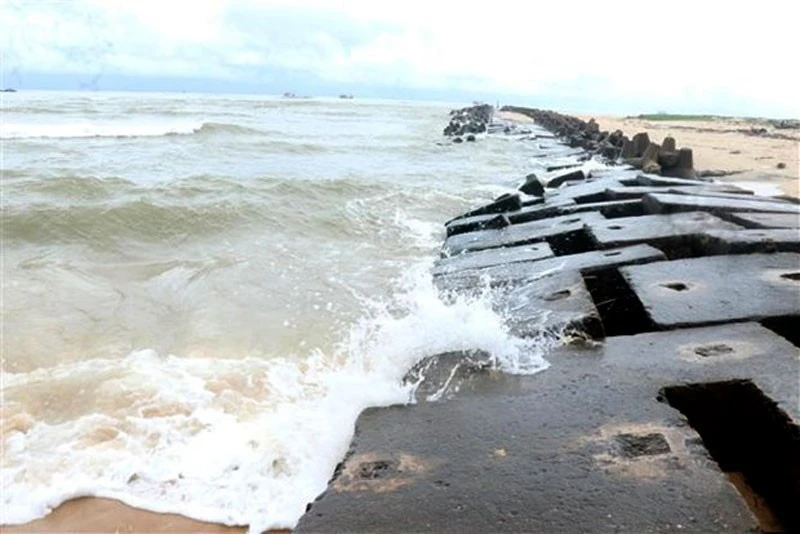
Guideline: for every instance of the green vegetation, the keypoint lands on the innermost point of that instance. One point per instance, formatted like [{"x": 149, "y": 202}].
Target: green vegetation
[
  {"x": 677, "y": 117},
  {"x": 662, "y": 116}
]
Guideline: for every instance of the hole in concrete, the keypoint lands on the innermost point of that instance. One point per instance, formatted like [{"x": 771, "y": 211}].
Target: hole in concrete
[
  {"x": 795, "y": 277},
  {"x": 786, "y": 327},
  {"x": 615, "y": 253},
  {"x": 751, "y": 439},
  {"x": 376, "y": 469},
  {"x": 676, "y": 286},
  {"x": 615, "y": 227},
  {"x": 620, "y": 310},
  {"x": 713, "y": 350},
  {"x": 573, "y": 242},
  {"x": 558, "y": 295},
  {"x": 634, "y": 445}
]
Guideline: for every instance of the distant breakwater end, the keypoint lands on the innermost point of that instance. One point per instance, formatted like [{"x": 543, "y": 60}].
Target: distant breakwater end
[{"x": 671, "y": 398}]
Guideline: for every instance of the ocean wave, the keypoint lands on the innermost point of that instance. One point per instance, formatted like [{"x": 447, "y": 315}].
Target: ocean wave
[
  {"x": 145, "y": 220},
  {"x": 121, "y": 129},
  {"x": 244, "y": 441},
  {"x": 79, "y": 209}
]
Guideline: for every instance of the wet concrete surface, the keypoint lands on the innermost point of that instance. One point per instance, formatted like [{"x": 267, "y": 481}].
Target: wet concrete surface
[
  {"x": 532, "y": 270},
  {"x": 585, "y": 446},
  {"x": 488, "y": 258},
  {"x": 667, "y": 203},
  {"x": 518, "y": 234},
  {"x": 654, "y": 229},
  {"x": 718, "y": 289},
  {"x": 765, "y": 220},
  {"x": 663, "y": 292}
]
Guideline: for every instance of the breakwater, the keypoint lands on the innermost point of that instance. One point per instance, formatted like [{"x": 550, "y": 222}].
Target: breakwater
[
  {"x": 671, "y": 400},
  {"x": 638, "y": 151}
]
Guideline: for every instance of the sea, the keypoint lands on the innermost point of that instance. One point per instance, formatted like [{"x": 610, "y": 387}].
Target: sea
[{"x": 200, "y": 293}]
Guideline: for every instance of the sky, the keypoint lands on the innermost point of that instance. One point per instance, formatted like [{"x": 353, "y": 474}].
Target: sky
[{"x": 617, "y": 56}]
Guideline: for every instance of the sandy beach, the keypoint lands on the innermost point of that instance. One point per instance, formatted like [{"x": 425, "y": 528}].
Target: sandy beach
[
  {"x": 106, "y": 515},
  {"x": 721, "y": 144}
]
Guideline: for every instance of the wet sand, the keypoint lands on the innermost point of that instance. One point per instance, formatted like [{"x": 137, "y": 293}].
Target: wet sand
[{"x": 106, "y": 515}]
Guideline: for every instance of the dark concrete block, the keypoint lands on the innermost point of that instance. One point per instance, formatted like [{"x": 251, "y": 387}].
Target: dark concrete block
[
  {"x": 494, "y": 256},
  {"x": 501, "y": 205},
  {"x": 714, "y": 190},
  {"x": 572, "y": 176},
  {"x": 550, "y": 304},
  {"x": 750, "y": 241},
  {"x": 609, "y": 209},
  {"x": 517, "y": 234},
  {"x": 640, "y": 143},
  {"x": 717, "y": 289},
  {"x": 764, "y": 220},
  {"x": 622, "y": 174},
  {"x": 479, "y": 222},
  {"x": 655, "y": 180},
  {"x": 586, "y": 262},
  {"x": 584, "y": 446},
  {"x": 622, "y": 193},
  {"x": 461, "y": 224},
  {"x": 532, "y": 186},
  {"x": 665, "y": 203},
  {"x": 585, "y": 192},
  {"x": 660, "y": 231}
]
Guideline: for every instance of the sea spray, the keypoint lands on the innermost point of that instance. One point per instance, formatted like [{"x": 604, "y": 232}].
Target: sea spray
[{"x": 238, "y": 441}]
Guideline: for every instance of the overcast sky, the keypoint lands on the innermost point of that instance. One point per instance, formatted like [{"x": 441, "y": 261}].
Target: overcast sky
[{"x": 617, "y": 56}]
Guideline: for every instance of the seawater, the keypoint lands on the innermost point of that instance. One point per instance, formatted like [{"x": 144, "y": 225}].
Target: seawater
[{"x": 201, "y": 293}]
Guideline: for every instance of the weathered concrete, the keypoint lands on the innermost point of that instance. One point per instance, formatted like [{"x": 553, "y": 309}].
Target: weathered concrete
[
  {"x": 764, "y": 220},
  {"x": 487, "y": 258},
  {"x": 666, "y": 203},
  {"x": 609, "y": 209},
  {"x": 461, "y": 225},
  {"x": 583, "y": 447},
  {"x": 534, "y": 307},
  {"x": 655, "y": 180},
  {"x": 502, "y": 204},
  {"x": 585, "y": 262},
  {"x": 751, "y": 241},
  {"x": 622, "y": 193},
  {"x": 585, "y": 192},
  {"x": 660, "y": 231},
  {"x": 718, "y": 289},
  {"x": 518, "y": 234},
  {"x": 722, "y": 192},
  {"x": 572, "y": 176}
]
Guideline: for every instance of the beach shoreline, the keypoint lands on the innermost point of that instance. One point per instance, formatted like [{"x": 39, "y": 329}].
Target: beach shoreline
[
  {"x": 727, "y": 146},
  {"x": 716, "y": 146}
]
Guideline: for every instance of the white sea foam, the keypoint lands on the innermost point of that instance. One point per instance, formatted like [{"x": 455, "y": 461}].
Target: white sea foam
[
  {"x": 237, "y": 441},
  {"x": 77, "y": 129}
]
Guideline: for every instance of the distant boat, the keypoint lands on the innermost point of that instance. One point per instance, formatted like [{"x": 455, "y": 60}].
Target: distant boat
[
  {"x": 9, "y": 90},
  {"x": 346, "y": 97},
  {"x": 293, "y": 95}
]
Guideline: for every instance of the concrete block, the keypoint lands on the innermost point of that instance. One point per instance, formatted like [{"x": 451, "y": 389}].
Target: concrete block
[
  {"x": 494, "y": 256},
  {"x": 764, "y": 220},
  {"x": 517, "y": 234},
  {"x": 717, "y": 289},
  {"x": 658, "y": 203},
  {"x": 660, "y": 231}
]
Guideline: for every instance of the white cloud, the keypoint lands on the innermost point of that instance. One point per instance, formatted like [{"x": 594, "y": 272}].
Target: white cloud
[{"x": 685, "y": 53}]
